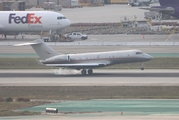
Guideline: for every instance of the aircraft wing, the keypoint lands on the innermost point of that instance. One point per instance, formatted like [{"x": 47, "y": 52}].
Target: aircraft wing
[
  {"x": 79, "y": 65},
  {"x": 161, "y": 9}
]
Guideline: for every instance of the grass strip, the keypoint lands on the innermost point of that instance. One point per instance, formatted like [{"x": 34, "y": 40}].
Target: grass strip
[
  {"x": 90, "y": 92},
  {"x": 6, "y": 108}
]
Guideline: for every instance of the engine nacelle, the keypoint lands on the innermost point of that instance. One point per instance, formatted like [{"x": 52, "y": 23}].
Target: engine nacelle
[
  {"x": 170, "y": 10},
  {"x": 56, "y": 59}
]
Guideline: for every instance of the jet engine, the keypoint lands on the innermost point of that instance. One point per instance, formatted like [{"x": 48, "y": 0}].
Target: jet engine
[
  {"x": 56, "y": 59},
  {"x": 170, "y": 10}
]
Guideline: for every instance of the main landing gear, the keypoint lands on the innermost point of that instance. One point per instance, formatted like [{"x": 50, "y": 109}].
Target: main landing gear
[{"x": 84, "y": 71}]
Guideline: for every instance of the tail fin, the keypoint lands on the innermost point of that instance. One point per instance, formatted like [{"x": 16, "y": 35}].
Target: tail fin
[
  {"x": 169, "y": 3},
  {"x": 42, "y": 49}
]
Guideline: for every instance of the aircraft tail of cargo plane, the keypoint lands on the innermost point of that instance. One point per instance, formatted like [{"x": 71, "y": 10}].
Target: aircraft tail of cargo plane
[{"x": 85, "y": 61}]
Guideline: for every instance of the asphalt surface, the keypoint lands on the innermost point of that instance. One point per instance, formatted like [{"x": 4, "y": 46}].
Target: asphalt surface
[
  {"x": 99, "y": 78},
  {"x": 85, "y": 49},
  {"x": 105, "y": 38},
  {"x": 107, "y": 13},
  {"x": 98, "y": 41},
  {"x": 99, "y": 117}
]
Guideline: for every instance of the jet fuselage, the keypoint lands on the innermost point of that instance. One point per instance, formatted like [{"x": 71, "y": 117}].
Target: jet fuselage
[{"x": 103, "y": 58}]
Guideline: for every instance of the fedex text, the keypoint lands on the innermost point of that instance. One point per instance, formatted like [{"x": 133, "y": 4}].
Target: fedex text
[{"x": 30, "y": 18}]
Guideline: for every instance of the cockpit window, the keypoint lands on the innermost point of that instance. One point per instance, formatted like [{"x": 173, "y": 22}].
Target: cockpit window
[
  {"x": 59, "y": 18},
  {"x": 139, "y": 53}
]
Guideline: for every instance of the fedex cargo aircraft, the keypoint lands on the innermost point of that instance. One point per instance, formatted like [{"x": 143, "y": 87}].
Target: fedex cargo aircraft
[
  {"x": 15, "y": 22},
  {"x": 170, "y": 7}
]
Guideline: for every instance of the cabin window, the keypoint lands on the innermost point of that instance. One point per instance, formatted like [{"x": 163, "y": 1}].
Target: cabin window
[
  {"x": 68, "y": 58},
  {"x": 138, "y": 53},
  {"x": 59, "y": 18}
]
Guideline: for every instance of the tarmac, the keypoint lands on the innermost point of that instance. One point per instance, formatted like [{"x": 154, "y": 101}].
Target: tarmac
[
  {"x": 53, "y": 117},
  {"x": 104, "y": 38},
  {"x": 101, "y": 77},
  {"x": 100, "y": 14},
  {"x": 107, "y": 13},
  {"x": 95, "y": 43}
]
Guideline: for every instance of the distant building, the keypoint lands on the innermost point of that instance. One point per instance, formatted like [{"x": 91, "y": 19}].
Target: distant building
[{"x": 6, "y": 5}]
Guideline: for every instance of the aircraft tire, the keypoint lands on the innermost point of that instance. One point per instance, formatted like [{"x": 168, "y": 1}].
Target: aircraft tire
[
  {"x": 83, "y": 72},
  {"x": 142, "y": 68},
  {"x": 90, "y": 71}
]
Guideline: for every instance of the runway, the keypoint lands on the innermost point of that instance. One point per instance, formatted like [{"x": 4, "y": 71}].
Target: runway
[
  {"x": 104, "y": 77},
  {"x": 99, "y": 117}
]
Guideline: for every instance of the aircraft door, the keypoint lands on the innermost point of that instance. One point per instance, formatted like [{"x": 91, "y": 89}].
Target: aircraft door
[{"x": 68, "y": 58}]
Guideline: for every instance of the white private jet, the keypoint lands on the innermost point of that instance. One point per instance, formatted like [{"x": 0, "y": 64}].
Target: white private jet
[
  {"x": 85, "y": 61},
  {"x": 15, "y": 22}
]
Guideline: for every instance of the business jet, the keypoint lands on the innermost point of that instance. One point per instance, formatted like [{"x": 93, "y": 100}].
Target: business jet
[
  {"x": 15, "y": 22},
  {"x": 85, "y": 61}
]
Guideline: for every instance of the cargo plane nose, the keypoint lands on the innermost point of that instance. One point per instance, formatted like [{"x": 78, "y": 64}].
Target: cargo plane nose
[
  {"x": 68, "y": 22},
  {"x": 65, "y": 23}
]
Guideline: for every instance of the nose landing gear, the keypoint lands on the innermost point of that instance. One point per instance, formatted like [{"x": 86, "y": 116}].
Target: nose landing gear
[{"x": 142, "y": 66}]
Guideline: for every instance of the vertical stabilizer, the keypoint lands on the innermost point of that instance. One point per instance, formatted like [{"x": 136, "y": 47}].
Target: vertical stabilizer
[
  {"x": 169, "y": 3},
  {"x": 43, "y": 50}
]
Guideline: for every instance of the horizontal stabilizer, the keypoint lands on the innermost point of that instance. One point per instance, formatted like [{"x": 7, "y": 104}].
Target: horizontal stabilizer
[
  {"x": 76, "y": 65},
  {"x": 29, "y": 43}
]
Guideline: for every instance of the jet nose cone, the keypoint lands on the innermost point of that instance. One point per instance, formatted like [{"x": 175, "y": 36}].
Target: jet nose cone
[{"x": 149, "y": 57}]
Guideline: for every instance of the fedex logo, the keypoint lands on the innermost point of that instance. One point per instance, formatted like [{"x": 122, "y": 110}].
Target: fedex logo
[{"x": 30, "y": 18}]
